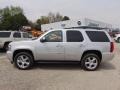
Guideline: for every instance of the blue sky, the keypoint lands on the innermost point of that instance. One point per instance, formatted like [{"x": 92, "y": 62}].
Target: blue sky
[{"x": 103, "y": 10}]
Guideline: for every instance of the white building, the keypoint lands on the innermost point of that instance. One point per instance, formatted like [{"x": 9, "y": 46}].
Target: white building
[{"x": 75, "y": 23}]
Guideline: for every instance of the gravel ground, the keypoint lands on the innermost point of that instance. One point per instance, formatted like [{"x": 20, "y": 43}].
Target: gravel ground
[{"x": 60, "y": 77}]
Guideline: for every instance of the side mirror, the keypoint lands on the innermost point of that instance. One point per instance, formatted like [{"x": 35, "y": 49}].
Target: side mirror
[{"x": 43, "y": 40}]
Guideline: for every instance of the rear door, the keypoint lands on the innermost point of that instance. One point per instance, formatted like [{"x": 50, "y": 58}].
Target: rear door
[{"x": 74, "y": 45}]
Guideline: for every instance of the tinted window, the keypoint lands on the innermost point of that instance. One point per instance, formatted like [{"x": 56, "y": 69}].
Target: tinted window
[
  {"x": 74, "y": 36},
  {"x": 97, "y": 36},
  {"x": 5, "y": 34},
  {"x": 17, "y": 35},
  {"x": 54, "y": 36},
  {"x": 26, "y": 35}
]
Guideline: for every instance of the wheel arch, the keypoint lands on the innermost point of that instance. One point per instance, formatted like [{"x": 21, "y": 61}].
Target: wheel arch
[
  {"x": 5, "y": 45},
  {"x": 22, "y": 50},
  {"x": 7, "y": 42},
  {"x": 97, "y": 52}
]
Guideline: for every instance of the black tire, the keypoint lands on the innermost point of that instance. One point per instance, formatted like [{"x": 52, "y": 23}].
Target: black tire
[
  {"x": 86, "y": 63},
  {"x": 118, "y": 40},
  {"x": 17, "y": 60},
  {"x": 6, "y": 46}
]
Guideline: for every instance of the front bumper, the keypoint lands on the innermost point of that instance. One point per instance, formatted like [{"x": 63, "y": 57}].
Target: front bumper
[
  {"x": 107, "y": 56},
  {"x": 10, "y": 56}
]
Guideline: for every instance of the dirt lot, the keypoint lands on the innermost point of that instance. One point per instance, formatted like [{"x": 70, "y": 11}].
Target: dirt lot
[{"x": 60, "y": 77}]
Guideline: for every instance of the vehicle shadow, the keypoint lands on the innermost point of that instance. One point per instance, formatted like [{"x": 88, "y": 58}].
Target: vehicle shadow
[
  {"x": 58, "y": 66},
  {"x": 70, "y": 66},
  {"x": 107, "y": 66}
]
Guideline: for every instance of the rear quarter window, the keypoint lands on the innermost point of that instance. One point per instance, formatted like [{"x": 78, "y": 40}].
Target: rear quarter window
[
  {"x": 5, "y": 34},
  {"x": 97, "y": 36}
]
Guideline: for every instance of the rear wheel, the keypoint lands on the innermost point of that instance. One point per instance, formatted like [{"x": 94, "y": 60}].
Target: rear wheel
[
  {"x": 90, "y": 62},
  {"x": 23, "y": 60}
]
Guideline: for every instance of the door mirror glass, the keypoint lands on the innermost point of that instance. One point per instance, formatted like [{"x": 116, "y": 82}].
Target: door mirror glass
[{"x": 43, "y": 40}]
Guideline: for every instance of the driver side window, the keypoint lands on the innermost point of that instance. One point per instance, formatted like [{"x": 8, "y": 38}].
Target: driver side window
[{"x": 54, "y": 36}]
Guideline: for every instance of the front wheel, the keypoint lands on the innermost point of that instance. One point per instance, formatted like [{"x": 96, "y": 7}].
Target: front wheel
[
  {"x": 90, "y": 62},
  {"x": 23, "y": 60}
]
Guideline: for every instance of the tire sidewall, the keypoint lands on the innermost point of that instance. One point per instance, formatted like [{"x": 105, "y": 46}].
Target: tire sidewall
[
  {"x": 83, "y": 62},
  {"x": 30, "y": 59}
]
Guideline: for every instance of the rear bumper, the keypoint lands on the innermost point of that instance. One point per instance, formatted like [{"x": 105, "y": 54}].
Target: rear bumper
[
  {"x": 10, "y": 56},
  {"x": 107, "y": 56}
]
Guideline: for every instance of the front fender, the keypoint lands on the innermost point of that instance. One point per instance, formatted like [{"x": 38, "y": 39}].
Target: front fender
[{"x": 25, "y": 47}]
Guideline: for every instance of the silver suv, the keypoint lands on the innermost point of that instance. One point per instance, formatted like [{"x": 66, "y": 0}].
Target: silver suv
[
  {"x": 86, "y": 46},
  {"x": 9, "y": 36}
]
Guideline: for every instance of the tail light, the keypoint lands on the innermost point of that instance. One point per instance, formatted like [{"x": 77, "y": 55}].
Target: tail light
[{"x": 111, "y": 46}]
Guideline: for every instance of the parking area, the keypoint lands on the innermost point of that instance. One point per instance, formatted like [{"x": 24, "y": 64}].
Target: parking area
[{"x": 60, "y": 76}]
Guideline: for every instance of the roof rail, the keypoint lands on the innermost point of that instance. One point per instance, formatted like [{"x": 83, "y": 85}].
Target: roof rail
[{"x": 87, "y": 27}]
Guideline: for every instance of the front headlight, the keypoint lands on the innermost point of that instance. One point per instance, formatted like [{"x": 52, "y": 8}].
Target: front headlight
[{"x": 9, "y": 47}]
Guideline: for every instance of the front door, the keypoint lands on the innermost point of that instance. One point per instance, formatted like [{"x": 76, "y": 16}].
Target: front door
[{"x": 52, "y": 48}]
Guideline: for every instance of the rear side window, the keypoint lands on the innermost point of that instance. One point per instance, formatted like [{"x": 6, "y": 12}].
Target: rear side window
[
  {"x": 17, "y": 35},
  {"x": 5, "y": 34},
  {"x": 74, "y": 36},
  {"x": 26, "y": 35},
  {"x": 97, "y": 36}
]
